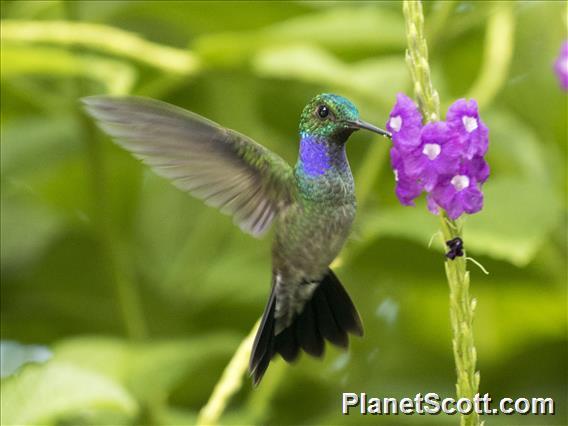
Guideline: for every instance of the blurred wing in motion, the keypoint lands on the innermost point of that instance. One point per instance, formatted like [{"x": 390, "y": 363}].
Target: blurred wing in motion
[{"x": 218, "y": 165}]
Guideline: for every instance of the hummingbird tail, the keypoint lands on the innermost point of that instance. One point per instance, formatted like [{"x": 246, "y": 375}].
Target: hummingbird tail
[{"x": 328, "y": 315}]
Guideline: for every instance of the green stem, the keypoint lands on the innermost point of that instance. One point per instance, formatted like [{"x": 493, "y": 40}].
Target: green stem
[
  {"x": 461, "y": 306},
  {"x": 116, "y": 77},
  {"x": 103, "y": 38},
  {"x": 417, "y": 61},
  {"x": 497, "y": 55},
  {"x": 229, "y": 384},
  {"x": 258, "y": 403}
]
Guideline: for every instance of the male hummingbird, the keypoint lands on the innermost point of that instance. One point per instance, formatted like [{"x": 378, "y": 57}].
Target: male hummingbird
[{"x": 312, "y": 205}]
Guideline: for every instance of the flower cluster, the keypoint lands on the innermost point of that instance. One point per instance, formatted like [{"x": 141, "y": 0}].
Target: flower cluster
[
  {"x": 445, "y": 158},
  {"x": 561, "y": 66}
]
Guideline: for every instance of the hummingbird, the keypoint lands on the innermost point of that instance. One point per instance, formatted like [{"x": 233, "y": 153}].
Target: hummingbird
[{"x": 312, "y": 205}]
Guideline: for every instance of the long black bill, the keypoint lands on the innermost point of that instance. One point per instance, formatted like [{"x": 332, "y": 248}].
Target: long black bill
[{"x": 360, "y": 124}]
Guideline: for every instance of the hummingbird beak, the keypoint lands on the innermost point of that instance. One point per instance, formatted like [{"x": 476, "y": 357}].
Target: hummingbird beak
[{"x": 360, "y": 124}]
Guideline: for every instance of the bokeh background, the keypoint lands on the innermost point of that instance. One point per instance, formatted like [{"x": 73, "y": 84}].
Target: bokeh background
[{"x": 123, "y": 299}]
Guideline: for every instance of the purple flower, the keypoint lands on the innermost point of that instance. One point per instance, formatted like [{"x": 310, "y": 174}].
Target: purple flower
[
  {"x": 473, "y": 135},
  {"x": 407, "y": 188},
  {"x": 561, "y": 66},
  {"x": 445, "y": 159},
  {"x": 432, "y": 205},
  {"x": 437, "y": 154},
  {"x": 478, "y": 168},
  {"x": 405, "y": 123},
  {"x": 457, "y": 194}
]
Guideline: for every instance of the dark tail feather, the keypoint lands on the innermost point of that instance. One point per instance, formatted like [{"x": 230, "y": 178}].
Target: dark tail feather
[
  {"x": 330, "y": 315},
  {"x": 307, "y": 332},
  {"x": 287, "y": 345},
  {"x": 344, "y": 311},
  {"x": 263, "y": 346},
  {"x": 327, "y": 324}
]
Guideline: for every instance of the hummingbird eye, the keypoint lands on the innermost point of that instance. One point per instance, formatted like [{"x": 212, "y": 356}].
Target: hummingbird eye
[{"x": 323, "y": 111}]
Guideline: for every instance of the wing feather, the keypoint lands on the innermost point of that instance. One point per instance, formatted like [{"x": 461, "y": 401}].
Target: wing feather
[{"x": 222, "y": 167}]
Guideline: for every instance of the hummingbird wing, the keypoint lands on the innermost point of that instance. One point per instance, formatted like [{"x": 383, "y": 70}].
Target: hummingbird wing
[{"x": 222, "y": 167}]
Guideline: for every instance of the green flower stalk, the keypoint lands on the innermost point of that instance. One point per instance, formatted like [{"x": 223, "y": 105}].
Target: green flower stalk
[
  {"x": 102, "y": 38},
  {"x": 230, "y": 382},
  {"x": 417, "y": 60},
  {"x": 461, "y": 305}
]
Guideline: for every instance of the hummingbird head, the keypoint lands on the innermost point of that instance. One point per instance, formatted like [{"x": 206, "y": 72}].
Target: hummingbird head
[{"x": 334, "y": 118}]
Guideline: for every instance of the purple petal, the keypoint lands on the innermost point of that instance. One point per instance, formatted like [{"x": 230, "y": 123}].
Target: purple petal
[
  {"x": 435, "y": 156},
  {"x": 458, "y": 194},
  {"x": 471, "y": 131},
  {"x": 432, "y": 205},
  {"x": 434, "y": 132},
  {"x": 477, "y": 167},
  {"x": 405, "y": 122},
  {"x": 443, "y": 193},
  {"x": 561, "y": 66},
  {"x": 414, "y": 163},
  {"x": 396, "y": 159},
  {"x": 472, "y": 199},
  {"x": 406, "y": 193},
  {"x": 407, "y": 188}
]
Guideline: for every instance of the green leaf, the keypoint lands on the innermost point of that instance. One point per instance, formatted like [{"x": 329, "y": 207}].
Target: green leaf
[
  {"x": 339, "y": 29},
  {"x": 50, "y": 392},
  {"x": 517, "y": 216},
  {"x": 148, "y": 370},
  {"x": 515, "y": 221},
  {"x": 160, "y": 367},
  {"x": 508, "y": 315},
  {"x": 379, "y": 78},
  {"x": 177, "y": 416},
  {"x": 31, "y": 143},
  {"x": 516, "y": 149},
  {"x": 345, "y": 28},
  {"x": 117, "y": 77},
  {"x": 27, "y": 228}
]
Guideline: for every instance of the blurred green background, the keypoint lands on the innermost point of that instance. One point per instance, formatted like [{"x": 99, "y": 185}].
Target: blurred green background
[{"x": 137, "y": 295}]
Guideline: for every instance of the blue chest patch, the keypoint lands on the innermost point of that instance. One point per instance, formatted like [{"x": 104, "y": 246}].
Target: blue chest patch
[{"x": 314, "y": 157}]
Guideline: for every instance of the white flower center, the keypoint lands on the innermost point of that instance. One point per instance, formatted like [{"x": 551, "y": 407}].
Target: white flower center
[
  {"x": 395, "y": 174},
  {"x": 470, "y": 123},
  {"x": 396, "y": 123},
  {"x": 460, "y": 182},
  {"x": 431, "y": 150}
]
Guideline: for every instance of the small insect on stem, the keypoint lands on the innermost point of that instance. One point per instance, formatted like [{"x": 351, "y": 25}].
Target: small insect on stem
[{"x": 455, "y": 246}]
